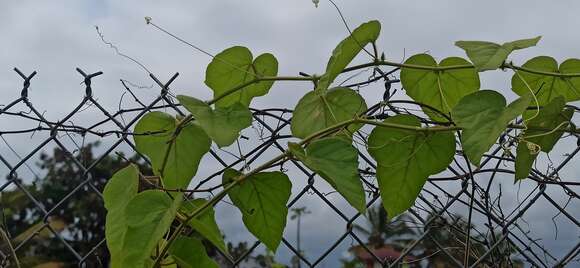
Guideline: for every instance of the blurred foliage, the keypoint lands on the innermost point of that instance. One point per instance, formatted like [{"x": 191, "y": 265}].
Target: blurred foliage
[{"x": 79, "y": 219}]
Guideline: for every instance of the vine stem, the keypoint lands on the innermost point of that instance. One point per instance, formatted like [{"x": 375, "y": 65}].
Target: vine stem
[
  {"x": 455, "y": 67},
  {"x": 183, "y": 122},
  {"x": 257, "y": 80},
  {"x": 510, "y": 65},
  {"x": 184, "y": 219}
]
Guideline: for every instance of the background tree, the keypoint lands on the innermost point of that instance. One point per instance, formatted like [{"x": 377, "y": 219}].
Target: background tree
[
  {"x": 79, "y": 220},
  {"x": 380, "y": 230},
  {"x": 297, "y": 214}
]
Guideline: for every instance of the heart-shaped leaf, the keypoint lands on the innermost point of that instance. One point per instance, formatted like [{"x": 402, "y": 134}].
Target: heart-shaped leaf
[
  {"x": 405, "y": 159},
  {"x": 490, "y": 56},
  {"x": 319, "y": 110},
  {"x": 223, "y": 125},
  {"x": 262, "y": 199},
  {"x": 545, "y": 87},
  {"x": 189, "y": 252},
  {"x": 483, "y": 116},
  {"x": 186, "y": 147},
  {"x": 346, "y": 50},
  {"x": 205, "y": 223},
  {"x": 236, "y": 66},
  {"x": 335, "y": 160},
  {"x": 120, "y": 189},
  {"x": 440, "y": 89},
  {"x": 149, "y": 215},
  {"x": 552, "y": 117}
]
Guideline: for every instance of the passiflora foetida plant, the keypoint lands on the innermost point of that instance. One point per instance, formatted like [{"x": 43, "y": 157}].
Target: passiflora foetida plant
[{"x": 146, "y": 228}]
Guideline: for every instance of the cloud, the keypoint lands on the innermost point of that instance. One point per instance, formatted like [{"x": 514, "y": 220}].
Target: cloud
[{"x": 54, "y": 37}]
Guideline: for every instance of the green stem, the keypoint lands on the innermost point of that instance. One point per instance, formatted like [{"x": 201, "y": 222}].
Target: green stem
[
  {"x": 256, "y": 80},
  {"x": 410, "y": 66},
  {"x": 454, "y": 67},
  {"x": 235, "y": 182},
  {"x": 407, "y": 127},
  {"x": 213, "y": 201},
  {"x": 184, "y": 219},
  {"x": 540, "y": 72},
  {"x": 189, "y": 117}
]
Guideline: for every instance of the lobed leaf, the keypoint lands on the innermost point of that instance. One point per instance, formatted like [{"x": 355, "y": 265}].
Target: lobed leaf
[
  {"x": 490, "y": 56},
  {"x": 483, "y": 116},
  {"x": 545, "y": 87},
  {"x": 336, "y": 161},
  {"x": 223, "y": 125},
  {"x": 405, "y": 159},
  {"x": 262, "y": 199},
  {"x": 235, "y": 66},
  {"x": 319, "y": 110},
  {"x": 346, "y": 50},
  {"x": 551, "y": 116},
  {"x": 185, "y": 150},
  {"x": 440, "y": 89}
]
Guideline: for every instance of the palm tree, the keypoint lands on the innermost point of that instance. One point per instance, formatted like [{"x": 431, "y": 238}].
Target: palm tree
[
  {"x": 297, "y": 214},
  {"x": 380, "y": 230}
]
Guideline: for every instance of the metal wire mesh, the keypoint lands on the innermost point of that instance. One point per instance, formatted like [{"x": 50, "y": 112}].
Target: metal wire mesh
[{"x": 461, "y": 216}]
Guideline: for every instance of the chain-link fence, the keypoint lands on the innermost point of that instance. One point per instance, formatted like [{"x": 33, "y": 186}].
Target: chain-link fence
[{"x": 52, "y": 208}]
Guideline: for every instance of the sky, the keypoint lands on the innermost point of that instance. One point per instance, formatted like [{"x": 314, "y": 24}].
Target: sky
[{"x": 55, "y": 37}]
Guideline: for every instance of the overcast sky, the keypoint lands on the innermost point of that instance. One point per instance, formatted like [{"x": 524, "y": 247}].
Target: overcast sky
[{"x": 55, "y": 37}]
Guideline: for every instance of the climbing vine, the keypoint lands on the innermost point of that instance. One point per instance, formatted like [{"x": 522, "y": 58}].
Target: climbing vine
[{"x": 145, "y": 228}]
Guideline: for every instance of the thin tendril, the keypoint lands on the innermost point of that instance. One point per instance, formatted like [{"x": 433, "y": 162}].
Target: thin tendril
[
  {"x": 119, "y": 52},
  {"x": 148, "y": 20}
]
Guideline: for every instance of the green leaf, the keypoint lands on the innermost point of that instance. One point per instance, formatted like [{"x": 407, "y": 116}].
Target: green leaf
[
  {"x": 120, "y": 189},
  {"x": 234, "y": 67},
  {"x": 317, "y": 111},
  {"x": 490, "y": 56},
  {"x": 336, "y": 161},
  {"x": 439, "y": 89},
  {"x": 483, "y": 116},
  {"x": 262, "y": 199},
  {"x": 346, "y": 50},
  {"x": 546, "y": 88},
  {"x": 223, "y": 125},
  {"x": 149, "y": 215},
  {"x": 205, "y": 223},
  {"x": 189, "y": 252},
  {"x": 551, "y": 116},
  {"x": 184, "y": 155},
  {"x": 405, "y": 159}
]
